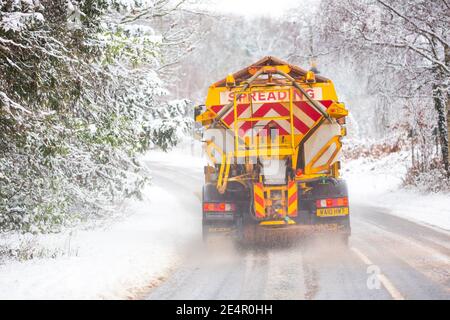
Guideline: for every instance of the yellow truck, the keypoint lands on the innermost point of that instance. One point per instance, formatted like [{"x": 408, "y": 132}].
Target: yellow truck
[{"x": 272, "y": 134}]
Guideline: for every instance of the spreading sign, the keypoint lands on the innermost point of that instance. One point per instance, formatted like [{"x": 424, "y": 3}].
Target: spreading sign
[{"x": 269, "y": 96}]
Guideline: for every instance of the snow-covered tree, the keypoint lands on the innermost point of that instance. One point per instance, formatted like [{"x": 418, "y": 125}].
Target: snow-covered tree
[
  {"x": 80, "y": 99},
  {"x": 404, "y": 46}
]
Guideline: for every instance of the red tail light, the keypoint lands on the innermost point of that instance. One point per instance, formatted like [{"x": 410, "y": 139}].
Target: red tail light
[
  {"x": 219, "y": 207},
  {"x": 332, "y": 202}
]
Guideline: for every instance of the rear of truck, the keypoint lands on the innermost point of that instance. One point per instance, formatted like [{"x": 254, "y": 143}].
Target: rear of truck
[{"x": 272, "y": 133}]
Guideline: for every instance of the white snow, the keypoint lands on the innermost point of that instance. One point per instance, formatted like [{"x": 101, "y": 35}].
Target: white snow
[
  {"x": 249, "y": 8},
  {"x": 116, "y": 262},
  {"x": 16, "y": 21},
  {"x": 127, "y": 257},
  {"x": 378, "y": 182},
  {"x": 186, "y": 156}
]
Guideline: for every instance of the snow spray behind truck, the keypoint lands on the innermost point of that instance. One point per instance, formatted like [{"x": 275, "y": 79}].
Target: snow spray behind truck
[{"x": 272, "y": 133}]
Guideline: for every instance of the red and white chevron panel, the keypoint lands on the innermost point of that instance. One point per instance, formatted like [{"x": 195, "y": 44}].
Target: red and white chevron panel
[{"x": 305, "y": 116}]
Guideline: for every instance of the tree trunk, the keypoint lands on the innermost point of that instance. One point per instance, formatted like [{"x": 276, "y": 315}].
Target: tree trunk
[
  {"x": 447, "y": 107},
  {"x": 442, "y": 109}
]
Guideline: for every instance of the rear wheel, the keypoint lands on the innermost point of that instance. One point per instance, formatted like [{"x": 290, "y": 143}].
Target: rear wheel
[
  {"x": 344, "y": 239},
  {"x": 205, "y": 231}
]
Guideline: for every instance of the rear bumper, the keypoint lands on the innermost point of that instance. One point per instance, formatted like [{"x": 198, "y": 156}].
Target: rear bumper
[
  {"x": 334, "y": 225},
  {"x": 218, "y": 217},
  {"x": 305, "y": 229},
  {"x": 303, "y": 218},
  {"x": 273, "y": 235}
]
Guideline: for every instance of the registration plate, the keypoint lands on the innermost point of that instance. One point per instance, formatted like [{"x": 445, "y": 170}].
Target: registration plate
[
  {"x": 332, "y": 212},
  {"x": 219, "y": 229}
]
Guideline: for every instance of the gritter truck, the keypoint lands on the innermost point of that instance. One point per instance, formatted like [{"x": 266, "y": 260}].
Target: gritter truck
[{"x": 272, "y": 133}]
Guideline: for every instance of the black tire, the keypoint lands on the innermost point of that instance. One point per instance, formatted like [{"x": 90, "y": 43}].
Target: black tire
[
  {"x": 344, "y": 240},
  {"x": 205, "y": 232},
  {"x": 341, "y": 240}
]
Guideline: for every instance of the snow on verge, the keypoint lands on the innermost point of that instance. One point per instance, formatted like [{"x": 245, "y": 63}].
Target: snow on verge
[
  {"x": 377, "y": 182},
  {"x": 116, "y": 262}
]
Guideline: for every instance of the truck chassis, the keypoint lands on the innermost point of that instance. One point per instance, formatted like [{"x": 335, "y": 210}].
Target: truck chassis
[{"x": 277, "y": 176}]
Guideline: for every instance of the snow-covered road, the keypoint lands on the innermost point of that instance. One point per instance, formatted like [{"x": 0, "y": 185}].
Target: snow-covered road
[
  {"x": 388, "y": 258},
  {"x": 156, "y": 252}
]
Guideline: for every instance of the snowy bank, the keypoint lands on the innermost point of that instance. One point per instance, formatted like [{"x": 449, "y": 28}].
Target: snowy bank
[
  {"x": 378, "y": 182},
  {"x": 115, "y": 262}
]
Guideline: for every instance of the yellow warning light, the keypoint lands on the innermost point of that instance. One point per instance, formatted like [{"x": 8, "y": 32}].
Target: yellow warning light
[
  {"x": 337, "y": 110},
  {"x": 310, "y": 77},
  {"x": 231, "y": 82}
]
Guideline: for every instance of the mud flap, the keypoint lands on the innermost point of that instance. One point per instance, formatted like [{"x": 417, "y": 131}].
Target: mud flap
[{"x": 223, "y": 223}]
